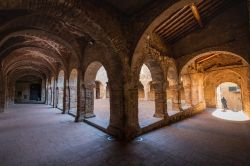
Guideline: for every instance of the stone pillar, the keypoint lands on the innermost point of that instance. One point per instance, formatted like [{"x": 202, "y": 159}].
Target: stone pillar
[
  {"x": 80, "y": 96},
  {"x": 104, "y": 92},
  {"x": 66, "y": 95},
  {"x": 160, "y": 100},
  {"x": 55, "y": 89},
  {"x": 173, "y": 90},
  {"x": 2, "y": 92},
  {"x": 146, "y": 88},
  {"x": 46, "y": 93},
  {"x": 195, "y": 88},
  {"x": 132, "y": 126},
  {"x": 43, "y": 94},
  {"x": 50, "y": 96},
  {"x": 116, "y": 124},
  {"x": 89, "y": 99},
  {"x": 107, "y": 90}
]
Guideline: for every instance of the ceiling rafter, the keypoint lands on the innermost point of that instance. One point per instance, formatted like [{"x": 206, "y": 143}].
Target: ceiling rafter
[{"x": 189, "y": 18}]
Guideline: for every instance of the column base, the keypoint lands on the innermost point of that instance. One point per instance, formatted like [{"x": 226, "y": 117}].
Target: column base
[
  {"x": 115, "y": 131},
  {"x": 159, "y": 115},
  {"x": 65, "y": 112},
  {"x": 89, "y": 115}
]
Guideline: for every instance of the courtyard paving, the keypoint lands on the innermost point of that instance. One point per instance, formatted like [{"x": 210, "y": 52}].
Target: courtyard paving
[
  {"x": 32, "y": 135},
  {"x": 146, "y": 113}
]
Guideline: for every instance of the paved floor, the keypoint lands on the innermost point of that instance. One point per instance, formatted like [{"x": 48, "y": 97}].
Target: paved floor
[
  {"x": 39, "y": 135},
  {"x": 146, "y": 113}
]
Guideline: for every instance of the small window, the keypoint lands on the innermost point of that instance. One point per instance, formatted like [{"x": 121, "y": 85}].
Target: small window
[{"x": 234, "y": 89}]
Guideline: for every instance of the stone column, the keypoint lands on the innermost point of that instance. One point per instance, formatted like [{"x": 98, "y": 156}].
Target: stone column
[
  {"x": 80, "y": 97},
  {"x": 173, "y": 90},
  {"x": 116, "y": 123},
  {"x": 132, "y": 126},
  {"x": 43, "y": 94},
  {"x": 55, "y": 89},
  {"x": 2, "y": 92},
  {"x": 160, "y": 100},
  {"x": 104, "y": 92},
  {"x": 46, "y": 92},
  {"x": 66, "y": 95},
  {"x": 146, "y": 88},
  {"x": 195, "y": 88},
  {"x": 89, "y": 99}
]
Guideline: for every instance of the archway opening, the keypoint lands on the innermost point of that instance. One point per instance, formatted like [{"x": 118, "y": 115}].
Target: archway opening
[
  {"x": 150, "y": 92},
  {"x": 229, "y": 102},
  {"x": 73, "y": 92},
  {"x": 202, "y": 74},
  {"x": 28, "y": 89},
  {"x": 96, "y": 84},
  {"x": 60, "y": 90}
]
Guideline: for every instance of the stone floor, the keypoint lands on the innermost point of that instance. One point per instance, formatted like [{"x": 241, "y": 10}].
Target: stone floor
[
  {"x": 32, "y": 135},
  {"x": 146, "y": 113}
]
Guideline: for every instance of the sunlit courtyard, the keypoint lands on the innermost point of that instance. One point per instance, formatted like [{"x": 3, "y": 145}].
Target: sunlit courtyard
[{"x": 230, "y": 115}]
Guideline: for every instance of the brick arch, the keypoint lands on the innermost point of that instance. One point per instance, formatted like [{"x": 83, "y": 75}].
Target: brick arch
[
  {"x": 196, "y": 55},
  {"x": 112, "y": 64},
  {"x": 42, "y": 25},
  {"x": 58, "y": 47},
  {"x": 11, "y": 64},
  {"x": 213, "y": 80},
  {"x": 139, "y": 46},
  {"x": 91, "y": 71},
  {"x": 35, "y": 65},
  {"x": 83, "y": 22}
]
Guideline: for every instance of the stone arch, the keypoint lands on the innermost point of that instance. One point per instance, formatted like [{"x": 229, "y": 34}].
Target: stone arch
[
  {"x": 149, "y": 30},
  {"x": 202, "y": 74},
  {"x": 214, "y": 79},
  {"x": 159, "y": 85},
  {"x": 90, "y": 88},
  {"x": 60, "y": 89}
]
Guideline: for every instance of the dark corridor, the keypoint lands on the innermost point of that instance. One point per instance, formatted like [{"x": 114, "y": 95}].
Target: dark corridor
[{"x": 35, "y": 92}]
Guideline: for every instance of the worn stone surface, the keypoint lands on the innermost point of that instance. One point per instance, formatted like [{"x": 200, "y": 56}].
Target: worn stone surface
[{"x": 41, "y": 135}]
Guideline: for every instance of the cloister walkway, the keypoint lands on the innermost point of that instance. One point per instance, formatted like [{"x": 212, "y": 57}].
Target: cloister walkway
[{"x": 41, "y": 135}]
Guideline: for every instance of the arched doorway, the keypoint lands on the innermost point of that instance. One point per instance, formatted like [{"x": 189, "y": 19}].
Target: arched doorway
[
  {"x": 97, "y": 103},
  {"x": 202, "y": 75},
  {"x": 73, "y": 92},
  {"x": 232, "y": 93},
  {"x": 60, "y": 90},
  {"x": 229, "y": 102},
  {"x": 152, "y": 108}
]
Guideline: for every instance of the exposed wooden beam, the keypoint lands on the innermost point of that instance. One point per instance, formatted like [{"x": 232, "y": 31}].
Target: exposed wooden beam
[
  {"x": 207, "y": 58},
  {"x": 196, "y": 14}
]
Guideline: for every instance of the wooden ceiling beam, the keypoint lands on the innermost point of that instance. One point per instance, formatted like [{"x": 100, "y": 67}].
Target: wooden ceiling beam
[
  {"x": 168, "y": 20},
  {"x": 182, "y": 17},
  {"x": 177, "y": 27},
  {"x": 196, "y": 14}
]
